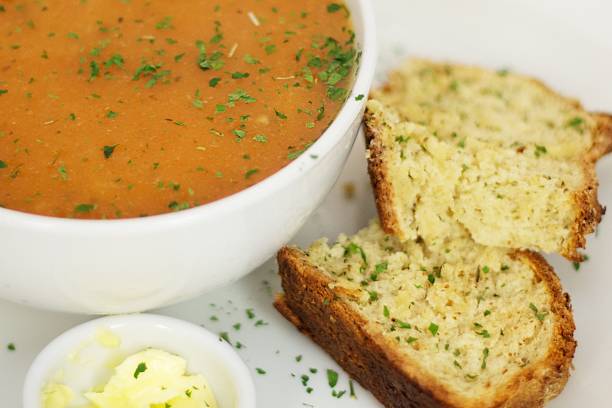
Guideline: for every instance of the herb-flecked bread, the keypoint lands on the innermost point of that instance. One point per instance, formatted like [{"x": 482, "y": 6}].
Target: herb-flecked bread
[
  {"x": 470, "y": 326},
  {"x": 498, "y": 153}
]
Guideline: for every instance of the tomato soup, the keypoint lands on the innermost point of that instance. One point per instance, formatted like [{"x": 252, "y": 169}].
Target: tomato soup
[{"x": 129, "y": 108}]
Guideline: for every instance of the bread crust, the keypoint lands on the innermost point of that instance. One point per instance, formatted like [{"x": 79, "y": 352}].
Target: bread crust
[
  {"x": 379, "y": 178},
  {"x": 588, "y": 210},
  {"x": 320, "y": 312}
]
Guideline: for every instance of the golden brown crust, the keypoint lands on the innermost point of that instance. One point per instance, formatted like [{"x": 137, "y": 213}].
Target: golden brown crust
[
  {"x": 602, "y": 144},
  {"x": 317, "y": 310},
  {"x": 588, "y": 214},
  {"x": 383, "y": 193}
]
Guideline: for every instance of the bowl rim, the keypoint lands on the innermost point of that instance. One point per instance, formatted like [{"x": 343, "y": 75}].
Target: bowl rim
[
  {"x": 285, "y": 176},
  {"x": 60, "y": 347}
]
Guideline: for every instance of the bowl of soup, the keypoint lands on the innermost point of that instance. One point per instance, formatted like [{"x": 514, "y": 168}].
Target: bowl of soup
[{"x": 153, "y": 151}]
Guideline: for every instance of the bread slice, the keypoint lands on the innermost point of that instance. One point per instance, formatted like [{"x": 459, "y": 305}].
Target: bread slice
[
  {"x": 498, "y": 153},
  {"x": 470, "y": 326}
]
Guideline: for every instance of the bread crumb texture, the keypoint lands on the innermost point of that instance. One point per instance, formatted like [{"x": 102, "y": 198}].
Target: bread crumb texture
[
  {"x": 498, "y": 153},
  {"x": 470, "y": 316}
]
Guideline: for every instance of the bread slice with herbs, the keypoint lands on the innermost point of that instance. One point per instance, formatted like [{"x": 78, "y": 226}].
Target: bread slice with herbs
[
  {"x": 499, "y": 153},
  {"x": 470, "y": 326}
]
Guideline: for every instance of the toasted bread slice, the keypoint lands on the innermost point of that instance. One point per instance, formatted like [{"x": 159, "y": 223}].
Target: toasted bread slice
[
  {"x": 498, "y": 153},
  {"x": 471, "y": 326}
]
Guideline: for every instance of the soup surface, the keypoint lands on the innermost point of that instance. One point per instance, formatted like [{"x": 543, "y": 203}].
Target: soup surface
[{"x": 128, "y": 108}]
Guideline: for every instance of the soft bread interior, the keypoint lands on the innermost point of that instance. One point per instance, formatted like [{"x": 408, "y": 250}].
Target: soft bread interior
[{"x": 470, "y": 316}]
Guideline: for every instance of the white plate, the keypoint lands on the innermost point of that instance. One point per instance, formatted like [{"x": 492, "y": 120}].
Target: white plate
[{"x": 571, "y": 49}]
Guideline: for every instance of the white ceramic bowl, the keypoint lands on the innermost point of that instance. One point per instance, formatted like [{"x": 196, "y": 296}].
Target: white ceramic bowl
[
  {"x": 205, "y": 353},
  {"x": 122, "y": 266}
]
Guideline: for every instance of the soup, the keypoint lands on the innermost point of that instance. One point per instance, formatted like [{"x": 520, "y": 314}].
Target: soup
[{"x": 129, "y": 108}]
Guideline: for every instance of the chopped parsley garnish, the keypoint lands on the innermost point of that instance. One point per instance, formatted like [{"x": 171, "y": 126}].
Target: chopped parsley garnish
[
  {"x": 378, "y": 269},
  {"x": 94, "y": 70},
  {"x": 539, "y": 315},
  {"x": 213, "y": 82},
  {"x": 142, "y": 367},
  {"x": 540, "y": 150},
  {"x": 575, "y": 122},
  {"x": 433, "y": 329},
  {"x": 176, "y": 206},
  {"x": 109, "y": 150},
  {"x": 164, "y": 23},
  {"x": 386, "y": 312},
  {"x": 485, "y": 355},
  {"x": 352, "y": 249},
  {"x": 359, "y": 97},
  {"x": 84, "y": 208},
  {"x": 260, "y": 371},
  {"x": 479, "y": 330},
  {"x": 11, "y": 347},
  {"x": 334, "y": 7},
  {"x": 403, "y": 325},
  {"x": 3, "y": 165},
  {"x": 332, "y": 378}
]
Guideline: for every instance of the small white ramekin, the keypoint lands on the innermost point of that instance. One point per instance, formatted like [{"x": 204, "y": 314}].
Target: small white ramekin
[{"x": 86, "y": 363}]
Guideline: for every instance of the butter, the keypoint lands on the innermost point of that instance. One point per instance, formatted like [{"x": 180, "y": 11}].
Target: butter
[
  {"x": 152, "y": 379},
  {"x": 107, "y": 338},
  {"x": 56, "y": 396}
]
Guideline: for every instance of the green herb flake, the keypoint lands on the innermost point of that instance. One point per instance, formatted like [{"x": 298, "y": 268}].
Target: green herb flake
[
  {"x": 11, "y": 347},
  {"x": 433, "y": 328},
  {"x": 63, "y": 172},
  {"x": 359, "y": 97},
  {"x": 378, "y": 269},
  {"x": 109, "y": 150},
  {"x": 334, "y": 7},
  {"x": 84, "y": 208},
  {"x": 250, "y": 173},
  {"x": 485, "y": 355},
  {"x": 260, "y": 138},
  {"x": 540, "y": 150},
  {"x": 260, "y": 371},
  {"x": 94, "y": 70},
  {"x": 142, "y": 367},
  {"x": 214, "y": 82},
  {"x": 240, "y": 75},
  {"x": 249, "y": 59},
  {"x": 332, "y": 378},
  {"x": 164, "y": 24},
  {"x": 352, "y": 249},
  {"x": 403, "y": 325},
  {"x": 575, "y": 122},
  {"x": 3, "y": 165},
  {"x": 539, "y": 315},
  {"x": 386, "y": 312}
]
